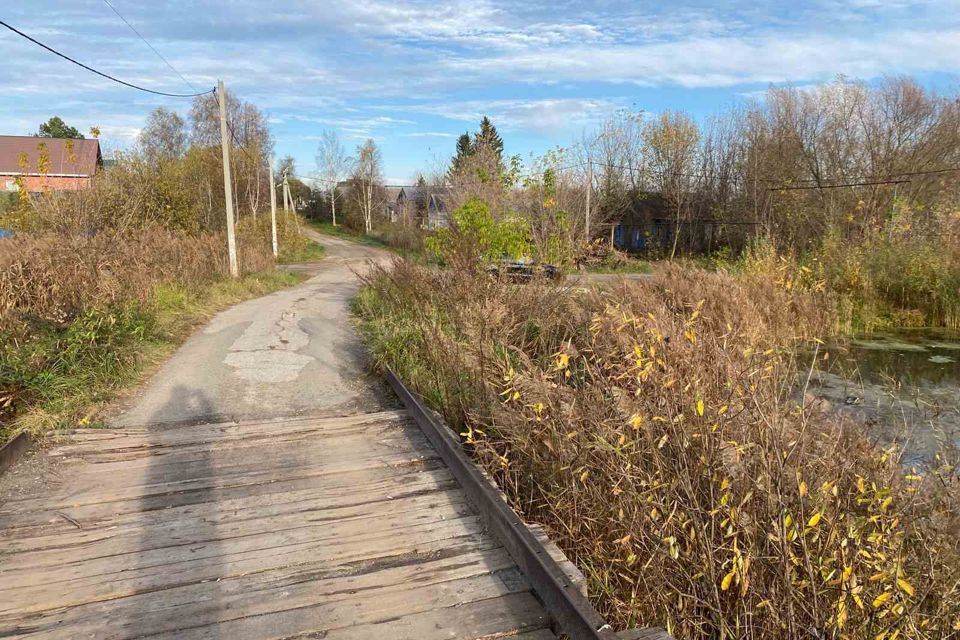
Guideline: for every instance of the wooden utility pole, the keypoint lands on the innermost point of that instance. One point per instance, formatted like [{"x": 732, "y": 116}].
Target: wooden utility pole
[
  {"x": 273, "y": 210},
  {"x": 227, "y": 190},
  {"x": 586, "y": 215},
  {"x": 293, "y": 205},
  {"x": 286, "y": 200}
]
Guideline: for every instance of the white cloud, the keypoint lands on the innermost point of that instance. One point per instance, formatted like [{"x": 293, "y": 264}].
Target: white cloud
[
  {"x": 721, "y": 62},
  {"x": 428, "y": 134},
  {"x": 545, "y": 115}
]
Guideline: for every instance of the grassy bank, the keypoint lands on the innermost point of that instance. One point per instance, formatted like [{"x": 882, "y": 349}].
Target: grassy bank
[
  {"x": 653, "y": 428},
  {"x": 341, "y": 231},
  {"x": 309, "y": 252},
  {"x": 82, "y": 319}
]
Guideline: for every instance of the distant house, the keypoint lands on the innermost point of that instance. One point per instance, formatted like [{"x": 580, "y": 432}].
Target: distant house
[
  {"x": 48, "y": 164},
  {"x": 410, "y": 201}
]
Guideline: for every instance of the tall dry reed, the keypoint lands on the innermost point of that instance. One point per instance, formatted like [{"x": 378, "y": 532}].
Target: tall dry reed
[{"x": 654, "y": 429}]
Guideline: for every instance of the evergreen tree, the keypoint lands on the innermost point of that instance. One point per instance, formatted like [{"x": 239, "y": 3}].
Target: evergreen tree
[
  {"x": 55, "y": 127},
  {"x": 464, "y": 151},
  {"x": 488, "y": 139}
]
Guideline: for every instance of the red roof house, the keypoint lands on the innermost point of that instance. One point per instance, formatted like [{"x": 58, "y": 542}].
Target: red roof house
[{"x": 48, "y": 164}]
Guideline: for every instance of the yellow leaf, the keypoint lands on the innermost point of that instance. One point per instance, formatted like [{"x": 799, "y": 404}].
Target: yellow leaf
[
  {"x": 700, "y": 407},
  {"x": 881, "y": 599},
  {"x": 727, "y": 580},
  {"x": 583, "y": 476},
  {"x": 803, "y": 489},
  {"x": 814, "y": 519},
  {"x": 906, "y": 586}
]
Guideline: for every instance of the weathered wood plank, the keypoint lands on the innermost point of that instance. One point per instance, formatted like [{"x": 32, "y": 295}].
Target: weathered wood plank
[
  {"x": 199, "y": 525},
  {"x": 326, "y": 425},
  {"x": 349, "y": 595},
  {"x": 39, "y": 511},
  {"x": 496, "y": 617},
  {"x": 174, "y": 542},
  {"x": 281, "y": 495},
  {"x": 161, "y": 444},
  {"x": 175, "y": 462},
  {"x": 337, "y": 527},
  {"x": 101, "y": 490}
]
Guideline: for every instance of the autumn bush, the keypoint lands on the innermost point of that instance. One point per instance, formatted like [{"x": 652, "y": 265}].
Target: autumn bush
[
  {"x": 904, "y": 273},
  {"x": 657, "y": 429},
  {"x": 78, "y": 311}
]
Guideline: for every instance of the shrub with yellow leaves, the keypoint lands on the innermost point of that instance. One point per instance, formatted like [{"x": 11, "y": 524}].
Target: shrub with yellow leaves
[{"x": 655, "y": 429}]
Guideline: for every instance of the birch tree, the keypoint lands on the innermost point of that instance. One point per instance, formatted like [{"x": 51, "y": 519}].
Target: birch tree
[
  {"x": 368, "y": 179},
  {"x": 333, "y": 163}
]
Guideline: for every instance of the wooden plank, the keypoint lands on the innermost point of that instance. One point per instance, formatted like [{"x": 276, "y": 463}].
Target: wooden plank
[
  {"x": 320, "y": 526},
  {"x": 454, "y": 617},
  {"x": 78, "y": 448},
  {"x": 327, "y": 424},
  {"x": 400, "y": 584},
  {"x": 285, "y": 495},
  {"x": 335, "y": 527},
  {"x": 100, "y": 492},
  {"x": 39, "y": 511},
  {"x": 155, "y": 570},
  {"x": 177, "y": 461},
  {"x": 182, "y": 527}
]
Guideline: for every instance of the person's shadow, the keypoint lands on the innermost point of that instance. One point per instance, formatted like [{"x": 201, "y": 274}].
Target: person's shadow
[{"x": 178, "y": 543}]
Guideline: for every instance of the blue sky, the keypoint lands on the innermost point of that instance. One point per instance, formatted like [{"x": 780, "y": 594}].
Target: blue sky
[{"x": 414, "y": 74}]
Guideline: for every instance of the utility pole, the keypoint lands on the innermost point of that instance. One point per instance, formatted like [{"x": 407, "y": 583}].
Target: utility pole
[
  {"x": 273, "y": 210},
  {"x": 286, "y": 200},
  {"x": 589, "y": 190},
  {"x": 293, "y": 206},
  {"x": 227, "y": 191}
]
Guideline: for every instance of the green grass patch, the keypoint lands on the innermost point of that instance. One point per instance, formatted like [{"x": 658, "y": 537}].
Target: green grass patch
[
  {"x": 57, "y": 376},
  {"x": 341, "y": 231},
  {"x": 628, "y": 266},
  {"x": 312, "y": 252}
]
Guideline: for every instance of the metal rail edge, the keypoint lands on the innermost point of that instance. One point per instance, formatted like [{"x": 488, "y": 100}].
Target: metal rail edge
[{"x": 572, "y": 612}]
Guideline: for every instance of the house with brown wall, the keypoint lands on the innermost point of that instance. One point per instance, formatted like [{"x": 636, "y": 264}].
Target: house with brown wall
[{"x": 48, "y": 164}]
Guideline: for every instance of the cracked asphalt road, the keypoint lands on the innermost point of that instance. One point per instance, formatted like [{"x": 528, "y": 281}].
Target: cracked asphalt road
[{"x": 293, "y": 352}]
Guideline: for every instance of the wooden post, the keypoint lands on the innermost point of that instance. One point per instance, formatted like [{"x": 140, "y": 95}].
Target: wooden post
[
  {"x": 286, "y": 201},
  {"x": 227, "y": 190},
  {"x": 589, "y": 191},
  {"x": 273, "y": 210},
  {"x": 293, "y": 207}
]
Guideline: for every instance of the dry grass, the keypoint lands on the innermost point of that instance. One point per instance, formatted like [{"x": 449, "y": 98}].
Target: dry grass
[
  {"x": 80, "y": 315},
  {"x": 654, "y": 429},
  {"x": 55, "y": 277}
]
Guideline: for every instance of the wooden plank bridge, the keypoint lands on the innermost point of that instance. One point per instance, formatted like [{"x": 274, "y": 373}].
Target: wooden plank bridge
[{"x": 337, "y": 527}]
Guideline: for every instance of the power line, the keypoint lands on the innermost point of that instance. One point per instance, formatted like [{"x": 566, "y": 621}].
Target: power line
[
  {"x": 889, "y": 176},
  {"x": 837, "y": 186},
  {"x": 100, "y": 73},
  {"x": 132, "y": 28}
]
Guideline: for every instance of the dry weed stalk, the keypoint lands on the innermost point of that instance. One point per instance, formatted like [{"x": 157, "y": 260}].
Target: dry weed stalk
[{"x": 654, "y": 428}]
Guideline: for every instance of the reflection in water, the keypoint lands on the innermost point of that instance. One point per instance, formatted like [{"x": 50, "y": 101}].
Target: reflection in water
[{"x": 904, "y": 384}]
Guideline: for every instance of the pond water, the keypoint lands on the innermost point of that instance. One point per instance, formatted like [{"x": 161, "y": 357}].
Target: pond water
[{"x": 904, "y": 384}]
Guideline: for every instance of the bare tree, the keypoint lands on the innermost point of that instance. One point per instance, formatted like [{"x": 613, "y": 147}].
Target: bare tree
[
  {"x": 368, "y": 180},
  {"x": 333, "y": 163},
  {"x": 670, "y": 146},
  {"x": 164, "y": 137}
]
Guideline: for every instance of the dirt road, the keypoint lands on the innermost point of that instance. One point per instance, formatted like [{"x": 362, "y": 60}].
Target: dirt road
[{"x": 290, "y": 353}]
